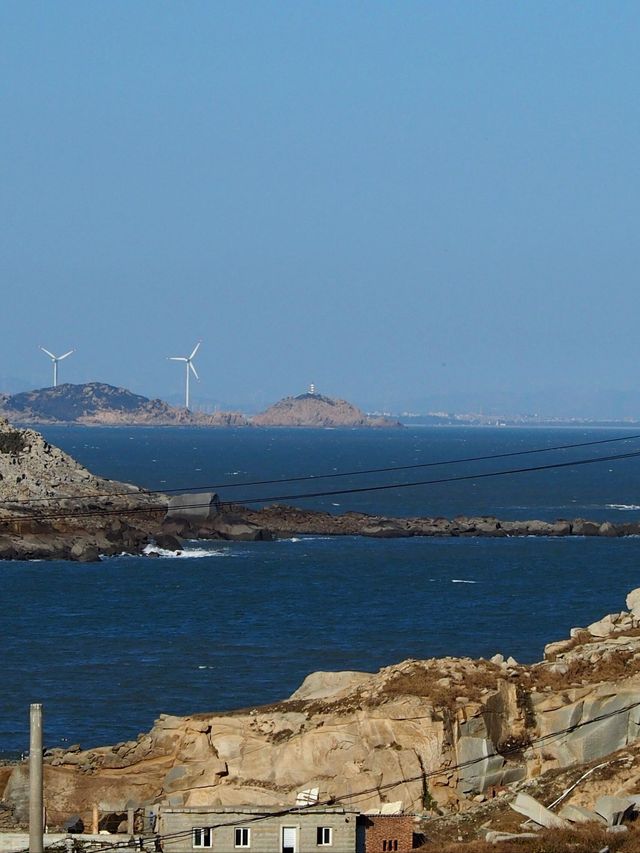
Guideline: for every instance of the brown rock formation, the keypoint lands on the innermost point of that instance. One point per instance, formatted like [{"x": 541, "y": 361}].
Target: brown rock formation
[
  {"x": 316, "y": 410},
  {"x": 434, "y": 734},
  {"x": 52, "y": 507}
]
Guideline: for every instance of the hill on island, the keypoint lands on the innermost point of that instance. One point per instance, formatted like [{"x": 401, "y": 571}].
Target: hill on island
[
  {"x": 316, "y": 410},
  {"x": 96, "y": 403},
  {"x": 99, "y": 403}
]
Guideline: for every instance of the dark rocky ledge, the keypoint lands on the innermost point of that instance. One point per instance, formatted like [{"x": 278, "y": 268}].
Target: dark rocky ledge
[
  {"x": 44, "y": 540},
  {"x": 276, "y": 521}
]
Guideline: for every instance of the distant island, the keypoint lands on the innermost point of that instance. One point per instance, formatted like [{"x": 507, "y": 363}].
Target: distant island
[
  {"x": 99, "y": 404},
  {"x": 96, "y": 403},
  {"x": 316, "y": 410}
]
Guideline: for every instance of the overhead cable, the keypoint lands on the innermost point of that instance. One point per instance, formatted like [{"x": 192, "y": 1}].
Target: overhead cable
[{"x": 338, "y": 474}]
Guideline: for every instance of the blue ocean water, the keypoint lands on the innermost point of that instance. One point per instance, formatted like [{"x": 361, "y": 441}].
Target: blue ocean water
[{"x": 107, "y": 647}]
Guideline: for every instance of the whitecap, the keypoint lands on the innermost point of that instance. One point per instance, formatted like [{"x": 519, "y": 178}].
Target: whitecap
[
  {"x": 184, "y": 554},
  {"x": 460, "y": 580},
  {"x": 623, "y": 507},
  {"x": 305, "y": 538}
]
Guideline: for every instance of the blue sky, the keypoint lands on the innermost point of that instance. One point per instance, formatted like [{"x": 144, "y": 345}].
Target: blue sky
[{"x": 413, "y": 205}]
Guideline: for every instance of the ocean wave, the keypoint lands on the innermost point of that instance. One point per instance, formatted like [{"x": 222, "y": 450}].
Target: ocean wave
[
  {"x": 623, "y": 507},
  {"x": 461, "y": 580},
  {"x": 305, "y": 538},
  {"x": 184, "y": 554}
]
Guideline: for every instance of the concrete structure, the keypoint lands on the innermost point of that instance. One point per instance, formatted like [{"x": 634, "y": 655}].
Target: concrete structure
[
  {"x": 194, "y": 508},
  {"x": 36, "y": 807},
  {"x": 17, "y": 842},
  {"x": 253, "y": 829}
]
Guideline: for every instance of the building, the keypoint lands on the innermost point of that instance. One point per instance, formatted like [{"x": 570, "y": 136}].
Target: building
[
  {"x": 273, "y": 829},
  {"x": 388, "y": 833},
  {"x": 257, "y": 829}
]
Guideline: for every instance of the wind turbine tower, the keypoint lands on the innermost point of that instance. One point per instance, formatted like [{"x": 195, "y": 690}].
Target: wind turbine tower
[
  {"x": 55, "y": 359},
  {"x": 188, "y": 360}
]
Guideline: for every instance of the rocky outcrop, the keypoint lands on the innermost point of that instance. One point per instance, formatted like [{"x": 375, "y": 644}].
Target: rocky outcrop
[
  {"x": 281, "y": 521},
  {"x": 51, "y": 507},
  {"x": 96, "y": 403},
  {"x": 316, "y": 410},
  {"x": 435, "y": 734}
]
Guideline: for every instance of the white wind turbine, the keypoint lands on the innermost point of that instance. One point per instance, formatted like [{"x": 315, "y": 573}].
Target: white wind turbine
[
  {"x": 55, "y": 359},
  {"x": 188, "y": 360}
]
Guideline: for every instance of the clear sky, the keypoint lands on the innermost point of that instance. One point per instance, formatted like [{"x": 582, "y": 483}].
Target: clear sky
[{"x": 412, "y": 205}]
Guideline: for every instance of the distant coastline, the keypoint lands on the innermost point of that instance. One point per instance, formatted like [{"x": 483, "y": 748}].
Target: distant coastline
[{"x": 100, "y": 404}]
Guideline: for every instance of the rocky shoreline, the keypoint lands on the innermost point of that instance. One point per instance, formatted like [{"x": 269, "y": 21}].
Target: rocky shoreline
[
  {"x": 117, "y": 525},
  {"x": 451, "y": 739},
  {"x": 278, "y": 521},
  {"x": 51, "y": 507}
]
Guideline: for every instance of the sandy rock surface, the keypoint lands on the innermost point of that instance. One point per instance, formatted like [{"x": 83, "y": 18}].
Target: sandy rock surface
[{"x": 436, "y": 734}]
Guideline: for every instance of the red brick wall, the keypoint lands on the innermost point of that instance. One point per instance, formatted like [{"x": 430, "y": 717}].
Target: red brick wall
[{"x": 390, "y": 829}]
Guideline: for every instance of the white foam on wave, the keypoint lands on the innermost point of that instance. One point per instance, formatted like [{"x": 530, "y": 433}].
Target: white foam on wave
[
  {"x": 623, "y": 507},
  {"x": 461, "y": 580},
  {"x": 184, "y": 554}
]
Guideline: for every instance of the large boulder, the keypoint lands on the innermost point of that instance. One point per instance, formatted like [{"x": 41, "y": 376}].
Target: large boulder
[
  {"x": 238, "y": 530},
  {"x": 322, "y": 685},
  {"x": 633, "y": 602}
]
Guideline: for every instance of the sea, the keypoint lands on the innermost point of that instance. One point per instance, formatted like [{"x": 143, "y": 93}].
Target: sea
[{"x": 107, "y": 647}]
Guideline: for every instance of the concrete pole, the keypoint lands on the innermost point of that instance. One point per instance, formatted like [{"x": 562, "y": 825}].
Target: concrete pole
[{"x": 36, "y": 841}]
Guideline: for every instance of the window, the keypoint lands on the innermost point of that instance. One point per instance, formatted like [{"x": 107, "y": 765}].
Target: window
[
  {"x": 242, "y": 836},
  {"x": 390, "y": 845},
  {"x": 323, "y": 836},
  {"x": 202, "y": 836}
]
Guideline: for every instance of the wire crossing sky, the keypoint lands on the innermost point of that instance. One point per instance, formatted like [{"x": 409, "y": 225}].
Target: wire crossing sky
[
  {"x": 145, "y": 508},
  {"x": 416, "y": 206}
]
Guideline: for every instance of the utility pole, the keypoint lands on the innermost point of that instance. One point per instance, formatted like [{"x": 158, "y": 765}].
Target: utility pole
[{"x": 36, "y": 842}]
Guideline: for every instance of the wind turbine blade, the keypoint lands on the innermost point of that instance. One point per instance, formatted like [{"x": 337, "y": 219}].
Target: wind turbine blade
[
  {"x": 194, "y": 370},
  {"x": 50, "y": 354},
  {"x": 177, "y": 358},
  {"x": 65, "y": 355},
  {"x": 195, "y": 349}
]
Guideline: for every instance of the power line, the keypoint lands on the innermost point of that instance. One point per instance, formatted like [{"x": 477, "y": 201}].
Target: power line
[
  {"x": 340, "y": 799},
  {"x": 335, "y": 475},
  {"x": 331, "y": 493},
  {"x": 477, "y": 476}
]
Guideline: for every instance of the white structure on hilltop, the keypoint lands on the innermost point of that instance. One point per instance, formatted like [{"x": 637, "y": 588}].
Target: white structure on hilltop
[
  {"x": 312, "y": 389},
  {"x": 188, "y": 360},
  {"x": 55, "y": 359}
]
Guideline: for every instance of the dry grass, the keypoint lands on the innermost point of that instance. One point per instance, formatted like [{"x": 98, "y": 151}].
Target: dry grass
[
  {"x": 424, "y": 681},
  {"x": 581, "y": 638},
  {"x": 612, "y": 667},
  {"x": 584, "y": 638},
  {"x": 586, "y": 839}
]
